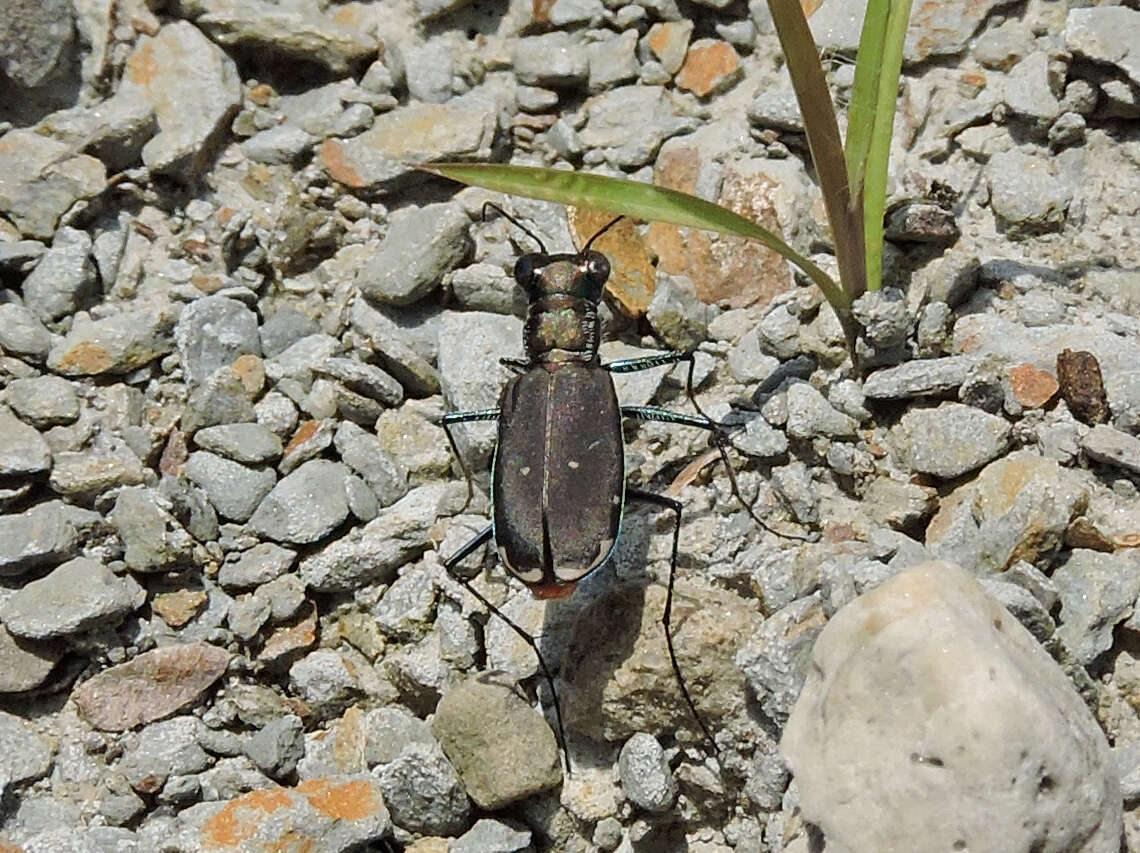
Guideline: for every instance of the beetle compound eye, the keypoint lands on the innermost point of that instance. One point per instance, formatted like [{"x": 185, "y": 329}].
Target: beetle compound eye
[
  {"x": 597, "y": 267},
  {"x": 525, "y": 268}
]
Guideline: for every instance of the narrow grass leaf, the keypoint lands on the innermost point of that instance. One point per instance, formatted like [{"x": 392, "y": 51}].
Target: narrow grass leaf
[
  {"x": 823, "y": 139},
  {"x": 633, "y": 199},
  {"x": 879, "y": 151}
]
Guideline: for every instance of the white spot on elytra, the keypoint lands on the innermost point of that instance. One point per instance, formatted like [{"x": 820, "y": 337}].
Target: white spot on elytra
[
  {"x": 525, "y": 470},
  {"x": 572, "y": 464}
]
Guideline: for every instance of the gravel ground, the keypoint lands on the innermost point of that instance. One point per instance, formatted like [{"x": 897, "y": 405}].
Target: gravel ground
[{"x": 232, "y": 317}]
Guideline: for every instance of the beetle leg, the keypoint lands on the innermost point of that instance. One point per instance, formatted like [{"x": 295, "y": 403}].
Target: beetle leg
[
  {"x": 720, "y": 438},
  {"x": 675, "y": 507},
  {"x": 449, "y": 565},
  {"x": 647, "y": 362},
  {"x": 452, "y": 418}
]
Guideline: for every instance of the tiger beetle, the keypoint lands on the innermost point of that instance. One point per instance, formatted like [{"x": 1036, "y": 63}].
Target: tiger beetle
[{"x": 558, "y": 486}]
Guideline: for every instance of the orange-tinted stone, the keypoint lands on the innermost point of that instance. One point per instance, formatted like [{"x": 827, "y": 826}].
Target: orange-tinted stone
[
  {"x": 722, "y": 268},
  {"x": 710, "y": 66},
  {"x": 1031, "y": 386},
  {"x": 179, "y": 607}
]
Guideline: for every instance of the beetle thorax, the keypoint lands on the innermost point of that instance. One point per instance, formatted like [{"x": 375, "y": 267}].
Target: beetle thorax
[{"x": 562, "y": 328}]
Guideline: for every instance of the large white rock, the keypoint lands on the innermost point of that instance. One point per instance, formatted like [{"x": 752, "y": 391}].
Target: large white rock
[{"x": 933, "y": 721}]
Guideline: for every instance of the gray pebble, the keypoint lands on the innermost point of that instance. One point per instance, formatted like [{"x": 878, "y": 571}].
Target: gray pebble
[
  {"x": 374, "y": 552},
  {"x": 283, "y": 328},
  {"x": 503, "y": 749},
  {"x": 487, "y": 287},
  {"x": 388, "y": 731},
  {"x": 1026, "y": 192},
  {"x": 24, "y": 755},
  {"x": 300, "y": 356},
  {"x": 63, "y": 279},
  {"x": 211, "y": 333},
  {"x": 277, "y": 413},
  {"x": 793, "y": 483},
  {"x": 1098, "y": 34},
  {"x": 470, "y": 346},
  {"x": 1067, "y": 131},
  {"x": 848, "y": 397},
  {"x": 324, "y": 678},
  {"x": 246, "y": 615},
  {"x": 277, "y": 748},
  {"x": 83, "y": 475},
  {"x": 305, "y": 506},
  {"x": 1026, "y": 90},
  {"x": 366, "y": 379},
  {"x": 1112, "y": 447},
  {"x": 39, "y": 536},
  {"x": 492, "y": 836},
  {"x": 115, "y": 344},
  {"x": 161, "y": 750},
  {"x": 221, "y": 399},
  {"x": 43, "y": 401},
  {"x": 234, "y": 490},
  {"x": 550, "y": 60},
  {"x": 423, "y": 792},
  {"x": 281, "y": 144},
  {"x": 1034, "y": 580},
  {"x": 23, "y": 450},
  {"x": 249, "y": 443},
  {"x": 25, "y": 664},
  {"x": 776, "y": 107},
  {"x": 1003, "y": 46},
  {"x": 950, "y": 440},
  {"x": 154, "y": 541},
  {"x": 760, "y": 439},
  {"x": 362, "y": 452},
  {"x": 612, "y": 61},
  {"x": 779, "y": 332},
  {"x": 406, "y": 609},
  {"x": 79, "y": 595},
  {"x": 1039, "y": 308},
  {"x": 925, "y": 377},
  {"x": 676, "y": 315},
  {"x": 646, "y": 779},
  {"x": 884, "y": 318},
  {"x": 395, "y": 349},
  {"x": 361, "y": 499},
  {"x": 421, "y": 245},
  {"x": 428, "y": 70},
  {"x": 285, "y": 596},
  {"x": 21, "y": 333},
  {"x": 776, "y": 658},
  {"x": 1024, "y": 607},
  {"x": 1097, "y": 590},
  {"x": 809, "y": 415}
]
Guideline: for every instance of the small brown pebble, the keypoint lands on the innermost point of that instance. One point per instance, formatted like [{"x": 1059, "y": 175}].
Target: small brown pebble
[
  {"x": 1031, "y": 387},
  {"x": 1082, "y": 386},
  {"x": 178, "y": 608}
]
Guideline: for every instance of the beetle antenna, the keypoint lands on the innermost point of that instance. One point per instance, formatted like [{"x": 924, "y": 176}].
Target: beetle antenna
[
  {"x": 517, "y": 224},
  {"x": 720, "y": 437},
  {"x": 600, "y": 232}
]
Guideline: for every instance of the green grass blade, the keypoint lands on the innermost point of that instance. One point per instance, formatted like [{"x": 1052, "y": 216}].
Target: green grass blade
[
  {"x": 864, "y": 94},
  {"x": 879, "y": 151},
  {"x": 636, "y": 200},
  {"x": 823, "y": 139}
]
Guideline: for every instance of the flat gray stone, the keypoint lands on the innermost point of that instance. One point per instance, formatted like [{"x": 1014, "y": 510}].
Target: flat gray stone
[
  {"x": 84, "y": 475},
  {"x": 194, "y": 89},
  {"x": 25, "y": 664},
  {"x": 921, "y": 378},
  {"x": 1113, "y": 447},
  {"x": 35, "y": 37},
  {"x": 1026, "y": 191},
  {"x": 361, "y": 451},
  {"x": 23, "y": 450},
  {"x": 233, "y": 489},
  {"x": 43, "y": 401},
  {"x": 366, "y": 379},
  {"x": 79, "y": 595},
  {"x": 212, "y": 332},
  {"x": 161, "y": 750},
  {"x": 1026, "y": 90},
  {"x": 809, "y": 415},
  {"x": 1097, "y": 590},
  {"x": 43, "y": 178},
  {"x": 421, "y": 245},
  {"x": 24, "y": 755},
  {"x": 502, "y": 748},
  {"x": 39, "y": 536},
  {"x": 304, "y": 507},
  {"x": 950, "y": 440},
  {"x": 251, "y": 444},
  {"x": 63, "y": 279},
  {"x": 492, "y": 836},
  {"x": 21, "y": 332},
  {"x": 1106, "y": 34},
  {"x": 260, "y": 564},
  {"x": 116, "y": 344},
  {"x": 278, "y": 746},
  {"x": 553, "y": 59},
  {"x": 373, "y": 552}
]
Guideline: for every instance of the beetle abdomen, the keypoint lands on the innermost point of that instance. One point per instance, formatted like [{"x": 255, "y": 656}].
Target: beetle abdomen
[{"x": 559, "y": 473}]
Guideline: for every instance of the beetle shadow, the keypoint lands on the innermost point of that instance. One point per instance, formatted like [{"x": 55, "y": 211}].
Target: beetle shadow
[{"x": 598, "y": 627}]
